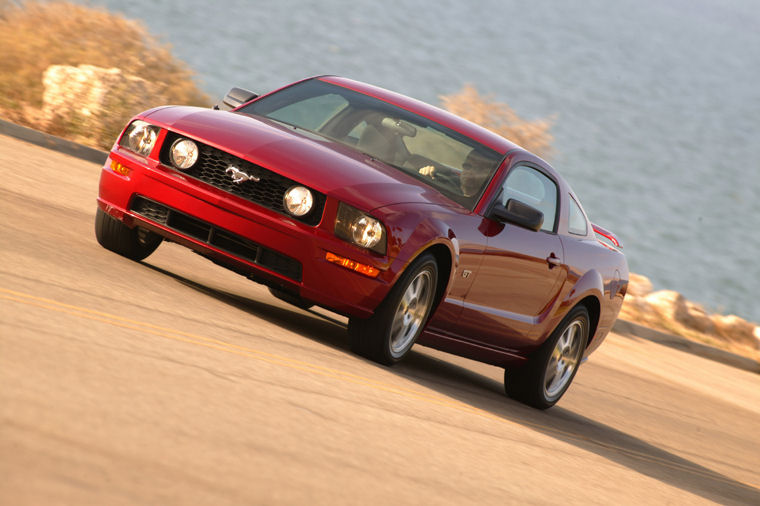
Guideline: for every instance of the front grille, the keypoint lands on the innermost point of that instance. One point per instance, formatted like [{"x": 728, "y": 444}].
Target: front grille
[
  {"x": 268, "y": 192},
  {"x": 217, "y": 237}
]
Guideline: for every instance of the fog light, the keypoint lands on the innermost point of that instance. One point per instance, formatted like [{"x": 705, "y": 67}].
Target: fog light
[
  {"x": 184, "y": 153},
  {"x": 298, "y": 200}
]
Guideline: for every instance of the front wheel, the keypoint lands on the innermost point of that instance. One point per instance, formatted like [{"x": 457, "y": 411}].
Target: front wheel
[
  {"x": 548, "y": 374},
  {"x": 134, "y": 243},
  {"x": 388, "y": 335}
]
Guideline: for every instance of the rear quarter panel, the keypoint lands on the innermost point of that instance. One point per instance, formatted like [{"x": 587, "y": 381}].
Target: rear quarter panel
[{"x": 595, "y": 269}]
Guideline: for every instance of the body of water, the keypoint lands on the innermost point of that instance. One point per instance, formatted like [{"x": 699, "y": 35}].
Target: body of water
[{"x": 657, "y": 102}]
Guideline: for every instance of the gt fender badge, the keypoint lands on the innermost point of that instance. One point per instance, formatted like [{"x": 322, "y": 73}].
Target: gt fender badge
[{"x": 238, "y": 176}]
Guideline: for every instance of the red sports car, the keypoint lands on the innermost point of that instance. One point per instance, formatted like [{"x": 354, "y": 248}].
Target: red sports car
[{"x": 417, "y": 225}]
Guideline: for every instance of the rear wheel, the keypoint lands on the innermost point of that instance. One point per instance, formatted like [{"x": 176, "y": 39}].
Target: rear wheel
[
  {"x": 134, "y": 243},
  {"x": 548, "y": 374},
  {"x": 388, "y": 335}
]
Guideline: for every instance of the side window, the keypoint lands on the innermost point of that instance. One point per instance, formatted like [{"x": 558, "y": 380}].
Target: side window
[
  {"x": 577, "y": 223},
  {"x": 531, "y": 187}
]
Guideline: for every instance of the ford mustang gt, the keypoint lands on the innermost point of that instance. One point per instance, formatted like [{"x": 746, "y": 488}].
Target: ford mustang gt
[{"x": 417, "y": 225}]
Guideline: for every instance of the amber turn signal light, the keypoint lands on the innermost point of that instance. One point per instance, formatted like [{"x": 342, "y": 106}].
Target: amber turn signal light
[
  {"x": 119, "y": 168},
  {"x": 349, "y": 264}
]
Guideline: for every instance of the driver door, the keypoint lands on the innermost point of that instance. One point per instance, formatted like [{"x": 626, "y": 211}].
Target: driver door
[{"x": 522, "y": 270}]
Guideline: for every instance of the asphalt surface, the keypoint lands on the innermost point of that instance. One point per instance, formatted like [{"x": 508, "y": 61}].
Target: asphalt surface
[{"x": 174, "y": 381}]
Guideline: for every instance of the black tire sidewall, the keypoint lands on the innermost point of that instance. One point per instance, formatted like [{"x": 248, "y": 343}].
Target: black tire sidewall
[
  {"x": 526, "y": 383},
  {"x": 371, "y": 337},
  {"x": 115, "y": 236},
  {"x": 577, "y": 312}
]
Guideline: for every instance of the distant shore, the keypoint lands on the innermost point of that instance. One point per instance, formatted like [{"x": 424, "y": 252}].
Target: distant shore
[{"x": 670, "y": 312}]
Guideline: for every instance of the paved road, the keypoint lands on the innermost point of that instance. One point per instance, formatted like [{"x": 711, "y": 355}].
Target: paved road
[{"x": 174, "y": 381}]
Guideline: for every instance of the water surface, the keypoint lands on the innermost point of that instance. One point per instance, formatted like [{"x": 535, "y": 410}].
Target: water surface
[{"x": 657, "y": 102}]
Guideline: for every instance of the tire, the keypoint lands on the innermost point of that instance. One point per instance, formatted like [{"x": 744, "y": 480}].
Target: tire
[
  {"x": 388, "y": 335},
  {"x": 134, "y": 243},
  {"x": 550, "y": 371}
]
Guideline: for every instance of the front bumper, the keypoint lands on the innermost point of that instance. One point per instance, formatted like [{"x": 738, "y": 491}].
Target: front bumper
[{"x": 255, "y": 241}]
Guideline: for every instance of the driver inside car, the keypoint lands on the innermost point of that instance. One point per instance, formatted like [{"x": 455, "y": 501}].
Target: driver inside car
[{"x": 475, "y": 170}]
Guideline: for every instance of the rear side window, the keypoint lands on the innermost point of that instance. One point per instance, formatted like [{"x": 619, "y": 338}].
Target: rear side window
[
  {"x": 577, "y": 223},
  {"x": 531, "y": 187}
]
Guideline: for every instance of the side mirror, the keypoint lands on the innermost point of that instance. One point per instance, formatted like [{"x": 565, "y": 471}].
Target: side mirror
[
  {"x": 518, "y": 213},
  {"x": 234, "y": 98}
]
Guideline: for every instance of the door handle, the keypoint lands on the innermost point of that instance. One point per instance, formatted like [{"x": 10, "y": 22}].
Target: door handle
[{"x": 553, "y": 261}]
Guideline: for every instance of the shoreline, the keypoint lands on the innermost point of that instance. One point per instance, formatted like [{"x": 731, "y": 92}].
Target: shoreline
[{"x": 621, "y": 326}]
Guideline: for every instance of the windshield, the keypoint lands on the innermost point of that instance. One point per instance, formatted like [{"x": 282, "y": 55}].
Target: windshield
[{"x": 455, "y": 165}]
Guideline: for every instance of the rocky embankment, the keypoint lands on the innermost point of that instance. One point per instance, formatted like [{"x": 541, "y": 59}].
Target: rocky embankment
[
  {"x": 671, "y": 312},
  {"x": 88, "y": 104}
]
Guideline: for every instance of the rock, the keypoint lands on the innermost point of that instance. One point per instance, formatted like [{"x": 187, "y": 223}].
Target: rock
[
  {"x": 93, "y": 104},
  {"x": 669, "y": 311},
  {"x": 673, "y": 306},
  {"x": 736, "y": 329},
  {"x": 668, "y": 303},
  {"x": 633, "y": 306},
  {"x": 638, "y": 285},
  {"x": 695, "y": 317}
]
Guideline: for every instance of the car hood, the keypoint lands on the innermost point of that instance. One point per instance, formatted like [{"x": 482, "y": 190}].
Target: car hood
[{"x": 324, "y": 165}]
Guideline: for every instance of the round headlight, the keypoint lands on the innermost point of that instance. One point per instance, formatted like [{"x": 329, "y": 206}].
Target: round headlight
[
  {"x": 184, "y": 153},
  {"x": 298, "y": 200},
  {"x": 142, "y": 137},
  {"x": 366, "y": 232}
]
